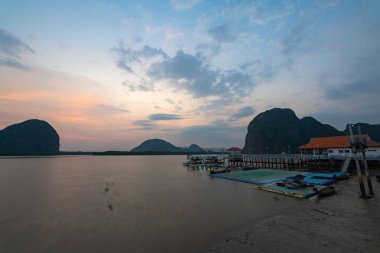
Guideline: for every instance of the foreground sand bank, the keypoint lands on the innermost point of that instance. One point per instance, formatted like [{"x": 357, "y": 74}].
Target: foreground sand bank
[{"x": 339, "y": 223}]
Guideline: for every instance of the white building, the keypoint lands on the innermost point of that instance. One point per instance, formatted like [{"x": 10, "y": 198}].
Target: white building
[{"x": 338, "y": 146}]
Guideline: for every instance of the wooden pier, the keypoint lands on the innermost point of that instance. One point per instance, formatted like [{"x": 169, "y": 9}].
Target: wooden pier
[{"x": 295, "y": 162}]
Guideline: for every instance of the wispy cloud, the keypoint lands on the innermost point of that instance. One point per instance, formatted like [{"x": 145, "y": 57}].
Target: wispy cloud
[
  {"x": 164, "y": 116},
  {"x": 243, "y": 113},
  {"x": 11, "y": 50},
  {"x": 11, "y": 45},
  {"x": 221, "y": 33},
  {"x": 142, "y": 84},
  {"x": 187, "y": 72},
  {"x": 145, "y": 124},
  {"x": 217, "y": 134},
  {"x": 335, "y": 93},
  {"x": 194, "y": 61},
  {"x": 113, "y": 108},
  {"x": 192, "y": 74},
  {"x": 293, "y": 40},
  {"x": 183, "y": 4},
  {"x": 13, "y": 64},
  {"x": 123, "y": 65},
  {"x": 151, "y": 122},
  {"x": 127, "y": 57}
]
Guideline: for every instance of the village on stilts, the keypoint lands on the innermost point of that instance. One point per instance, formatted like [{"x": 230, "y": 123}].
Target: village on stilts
[{"x": 314, "y": 172}]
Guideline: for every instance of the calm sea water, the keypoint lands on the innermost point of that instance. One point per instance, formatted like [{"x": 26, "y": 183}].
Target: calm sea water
[{"x": 122, "y": 204}]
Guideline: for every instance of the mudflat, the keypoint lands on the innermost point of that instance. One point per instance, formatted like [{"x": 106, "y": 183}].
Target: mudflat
[{"x": 343, "y": 222}]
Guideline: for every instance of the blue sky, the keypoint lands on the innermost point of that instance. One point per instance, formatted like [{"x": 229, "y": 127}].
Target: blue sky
[{"x": 110, "y": 74}]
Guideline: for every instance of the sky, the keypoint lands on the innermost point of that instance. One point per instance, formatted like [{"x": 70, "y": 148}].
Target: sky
[{"x": 108, "y": 75}]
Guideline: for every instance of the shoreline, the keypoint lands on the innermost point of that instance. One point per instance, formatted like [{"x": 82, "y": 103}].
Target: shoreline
[{"x": 343, "y": 222}]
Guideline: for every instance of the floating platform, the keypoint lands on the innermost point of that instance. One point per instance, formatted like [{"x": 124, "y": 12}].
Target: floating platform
[
  {"x": 302, "y": 193},
  {"x": 331, "y": 175},
  {"x": 266, "y": 179},
  {"x": 259, "y": 176}
]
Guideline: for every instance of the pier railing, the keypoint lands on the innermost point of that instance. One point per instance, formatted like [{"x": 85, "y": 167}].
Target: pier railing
[{"x": 294, "y": 161}]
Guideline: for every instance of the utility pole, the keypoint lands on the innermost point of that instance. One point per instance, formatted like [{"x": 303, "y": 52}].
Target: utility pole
[
  {"x": 363, "y": 143},
  {"x": 360, "y": 178}
]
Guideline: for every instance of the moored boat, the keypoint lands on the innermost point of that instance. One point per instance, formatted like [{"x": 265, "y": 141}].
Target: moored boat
[
  {"x": 324, "y": 190},
  {"x": 218, "y": 171},
  {"x": 203, "y": 160},
  {"x": 250, "y": 168},
  {"x": 331, "y": 175}
]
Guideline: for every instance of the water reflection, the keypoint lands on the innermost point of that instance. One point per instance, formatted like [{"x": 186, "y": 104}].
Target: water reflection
[{"x": 135, "y": 204}]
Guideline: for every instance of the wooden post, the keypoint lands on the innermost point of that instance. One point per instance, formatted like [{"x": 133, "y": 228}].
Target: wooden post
[
  {"x": 366, "y": 170},
  {"x": 360, "y": 179}
]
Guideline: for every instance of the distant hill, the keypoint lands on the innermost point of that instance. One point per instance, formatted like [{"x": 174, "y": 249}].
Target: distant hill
[
  {"x": 194, "y": 148},
  {"x": 372, "y": 130},
  {"x": 280, "y": 130},
  {"x": 156, "y": 145},
  {"x": 162, "y": 146},
  {"x": 31, "y": 137}
]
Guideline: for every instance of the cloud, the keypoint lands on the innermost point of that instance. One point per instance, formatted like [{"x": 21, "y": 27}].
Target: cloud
[
  {"x": 133, "y": 62},
  {"x": 192, "y": 74},
  {"x": 150, "y": 123},
  {"x": 335, "y": 94},
  {"x": 187, "y": 72},
  {"x": 123, "y": 65},
  {"x": 355, "y": 90},
  {"x": 294, "y": 38},
  {"x": 350, "y": 113},
  {"x": 218, "y": 133},
  {"x": 260, "y": 15},
  {"x": 141, "y": 85},
  {"x": 170, "y": 101},
  {"x": 221, "y": 33},
  {"x": 105, "y": 112},
  {"x": 242, "y": 113},
  {"x": 13, "y": 64},
  {"x": 113, "y": 108},
  {"x": 145, "y": 124},
  {"x": 305, "y": 34},
  {"x": 352, "y": 90},
  {"x": 183, "y": 4},
  {"x": 237, "y": 82},
  {"x": 163, "y": 116},
  {"x": 257, "y": 12},
  {"x": 127, "y": 57},
  {"x": 11, "y": 49},
  {"x": 358, "y": 80},
  {"x": 11, "y": 45}
]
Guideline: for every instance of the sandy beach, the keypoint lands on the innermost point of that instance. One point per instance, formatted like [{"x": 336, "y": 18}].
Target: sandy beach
[{"x": 339, "y": 223}]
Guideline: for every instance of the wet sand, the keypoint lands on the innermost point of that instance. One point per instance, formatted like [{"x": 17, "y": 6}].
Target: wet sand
[{"x": 339, "y": 223}]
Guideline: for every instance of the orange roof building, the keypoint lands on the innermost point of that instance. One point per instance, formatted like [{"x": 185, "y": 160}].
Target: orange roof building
[
  {"x": 337, "y": 146},
  {"x": 335, "y": 142},
  {"x": 234, "y": 149}
]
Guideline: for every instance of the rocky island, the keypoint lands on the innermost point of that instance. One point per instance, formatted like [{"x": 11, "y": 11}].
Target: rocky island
[
  {"x": 280, "y": 130},
  {"x": 162, "y": 146},
  {"x": 31, "y": 137},
  {"x": 156, "y": 145}
]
